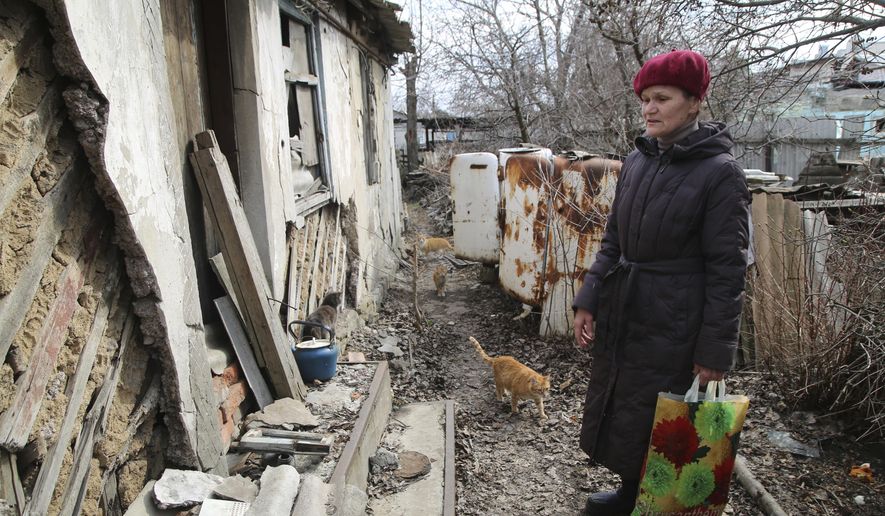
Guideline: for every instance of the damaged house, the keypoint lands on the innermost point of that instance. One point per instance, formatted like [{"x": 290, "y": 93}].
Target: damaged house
[{"x": 107, "y": 297}]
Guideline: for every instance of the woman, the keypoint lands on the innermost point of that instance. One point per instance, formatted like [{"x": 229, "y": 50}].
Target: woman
[{"x": 666, "y": 289}]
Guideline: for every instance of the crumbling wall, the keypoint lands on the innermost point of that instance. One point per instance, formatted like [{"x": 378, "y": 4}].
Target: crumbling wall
[
  {"x": 56, "y": 231},
  {"x": 122, "y": 108},
  {"x": 318, "y": 261},
  {"x": 377, "y": 213}
]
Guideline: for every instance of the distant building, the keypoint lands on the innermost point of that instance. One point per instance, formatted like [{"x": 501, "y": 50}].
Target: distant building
[{"x": 841, "y": 113}]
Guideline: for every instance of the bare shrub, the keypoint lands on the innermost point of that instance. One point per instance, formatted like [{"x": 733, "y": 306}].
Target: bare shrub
[{"x": 830, "y": 348}]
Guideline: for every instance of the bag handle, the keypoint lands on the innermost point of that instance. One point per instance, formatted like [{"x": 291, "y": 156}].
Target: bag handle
[{"x": 691, "y": 396}]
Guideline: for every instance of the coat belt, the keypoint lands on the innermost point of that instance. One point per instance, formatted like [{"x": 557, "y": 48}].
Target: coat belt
[{"x": 626, "y": 286}]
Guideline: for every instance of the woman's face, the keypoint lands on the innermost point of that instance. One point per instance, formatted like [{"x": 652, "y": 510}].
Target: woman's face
[{"x": 666, "y": 109}]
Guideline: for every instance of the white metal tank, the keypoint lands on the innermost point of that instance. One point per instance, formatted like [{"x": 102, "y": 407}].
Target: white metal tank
[{"x": 475, "y": 197}]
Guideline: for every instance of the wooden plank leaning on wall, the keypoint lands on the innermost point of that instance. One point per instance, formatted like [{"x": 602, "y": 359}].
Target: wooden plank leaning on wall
[{"x": 241, "y": 258}]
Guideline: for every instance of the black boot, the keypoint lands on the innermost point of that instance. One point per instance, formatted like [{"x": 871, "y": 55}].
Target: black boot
[{"x": 613, "y": 503}]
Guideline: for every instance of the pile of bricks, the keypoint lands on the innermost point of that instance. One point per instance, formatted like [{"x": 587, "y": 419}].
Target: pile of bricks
[{"x": 230, "y": 390}]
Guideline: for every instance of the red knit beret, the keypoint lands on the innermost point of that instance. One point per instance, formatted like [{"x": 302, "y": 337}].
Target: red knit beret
[{"x": 683, "y": 68}]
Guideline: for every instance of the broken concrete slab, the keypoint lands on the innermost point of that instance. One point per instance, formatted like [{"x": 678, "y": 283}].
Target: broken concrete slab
[
  {"x": 279, "y": 487},
  {"x": 412, "y": 464},
  {"x": 423, "y": 431},
  {"x": 215, "y": 507},
  {"x": 144, "y": 505},
  {"x": 333, "y": 395},
  {"x": 354, "y": 502},
  {"x": 237, "y": 488},
  {"x": 389, "y": 345},
  {"x": 356, "y": 356},
  {"x": 313, "y": 497},
  {"x": 284, "y": 413},
  {"x": 180, "y": 489}
]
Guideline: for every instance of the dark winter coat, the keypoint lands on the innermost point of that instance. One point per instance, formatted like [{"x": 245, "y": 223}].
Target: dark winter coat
[{"x": 666, "y": 288}]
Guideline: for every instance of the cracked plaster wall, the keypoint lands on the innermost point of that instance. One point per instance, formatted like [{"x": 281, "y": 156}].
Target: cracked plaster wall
[
  {"x": 123, "y": 112},
  {"x": 260, "y": 106},
  {"x": 377, "y": 207}
]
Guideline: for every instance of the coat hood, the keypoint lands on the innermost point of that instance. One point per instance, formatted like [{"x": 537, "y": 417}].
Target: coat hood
[{"x": 711, "y": 139}]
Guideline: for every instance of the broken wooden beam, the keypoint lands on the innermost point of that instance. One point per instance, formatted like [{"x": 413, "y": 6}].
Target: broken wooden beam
[
  {"x": 244, "y": 267},
  {"x": 755, "y": 489},
  {"x": 10, "y": 484},
  {"x": 283, "y": 445},
  {"x": 17, "y": 421},
  {"x": 93, "y": 428},
  {"x": 41, "y": 496},
  {"x": 230, "y": 319}
]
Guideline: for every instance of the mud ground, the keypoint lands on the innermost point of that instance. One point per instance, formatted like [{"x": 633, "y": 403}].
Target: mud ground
[{"x": 516, "y": 465}]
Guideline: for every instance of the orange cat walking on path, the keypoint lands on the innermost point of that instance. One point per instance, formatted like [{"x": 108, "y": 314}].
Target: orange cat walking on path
[
  {"x": 432, "y": 244},
  {"x": 519, "y": 380}
]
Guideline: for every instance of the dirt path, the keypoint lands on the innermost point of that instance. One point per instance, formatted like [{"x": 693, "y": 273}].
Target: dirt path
[{"x": 514, "y": 465}]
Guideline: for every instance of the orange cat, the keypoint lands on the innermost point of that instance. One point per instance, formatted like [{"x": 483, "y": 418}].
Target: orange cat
[
  {"x": 520, "y": 380},
  {"x": 439, "y": 279},
  {"x": 431, "y": 244}
]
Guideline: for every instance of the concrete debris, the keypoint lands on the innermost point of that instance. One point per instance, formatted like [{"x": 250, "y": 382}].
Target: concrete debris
[
  {"x": 334, "y": 397},
  {"x": 182, "y": 489},
  {"x": 279, "y": 487},
  {"x": 223, "y": 508},
  {"x": 284, "y": 413},
  {"x": 389, "y": 345},
  {"x": 354, "y": 502},
  {"x": 143, "y": 505},
  {"x": 356, "y": 356},
  {"x": 412, "y": 465},
  {"x": 383, "y": 460},
  {"x": 312, "y": 497},
  {"x": 237, "y": 488}
]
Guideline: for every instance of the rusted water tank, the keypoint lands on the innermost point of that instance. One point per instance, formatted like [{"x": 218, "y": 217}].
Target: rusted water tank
[
  {"x": 583, "y": 192},
  {"x": 525, "y": 192}
]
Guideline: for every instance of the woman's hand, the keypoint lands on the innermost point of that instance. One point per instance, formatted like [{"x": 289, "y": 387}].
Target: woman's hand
[
  {"x": 706, "y": 374},
  {"x": 583, "y": 328}
]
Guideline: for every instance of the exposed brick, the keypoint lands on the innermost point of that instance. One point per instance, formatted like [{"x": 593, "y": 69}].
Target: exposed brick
[
  {"x": 221, "y": 389},
  {"x": 236, "y": 394},
  {"x": 231, "y": 374},
  {"x": 227, "y": 431}
]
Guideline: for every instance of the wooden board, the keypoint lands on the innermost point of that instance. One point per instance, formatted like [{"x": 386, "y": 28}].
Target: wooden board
[
  {"x": 17, "y": 421},
  {"x": 282, "y": 445},
  {"x": 93, "y": 428},
  {"x": 240, "y": 254},
  {"x": 221, "y": 273},
  {"x": 231, "y": 322},
  {"x": 41, "y": 495},
  {"x": 10, "y": 484},
  {"x": 315, "y": 280},
  {"x": 15, "y": 305},
  {"x": 449, "y": 467},
  {"x": 292, "y": 287}
]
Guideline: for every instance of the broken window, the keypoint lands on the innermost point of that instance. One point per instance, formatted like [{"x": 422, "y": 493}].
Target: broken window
[
  {"x": 301, "y": 62},
  {"x": 368, "y": 120}
]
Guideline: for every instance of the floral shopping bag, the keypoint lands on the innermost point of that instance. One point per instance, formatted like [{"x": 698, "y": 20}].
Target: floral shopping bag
[{"x": 691, "y": 453}]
